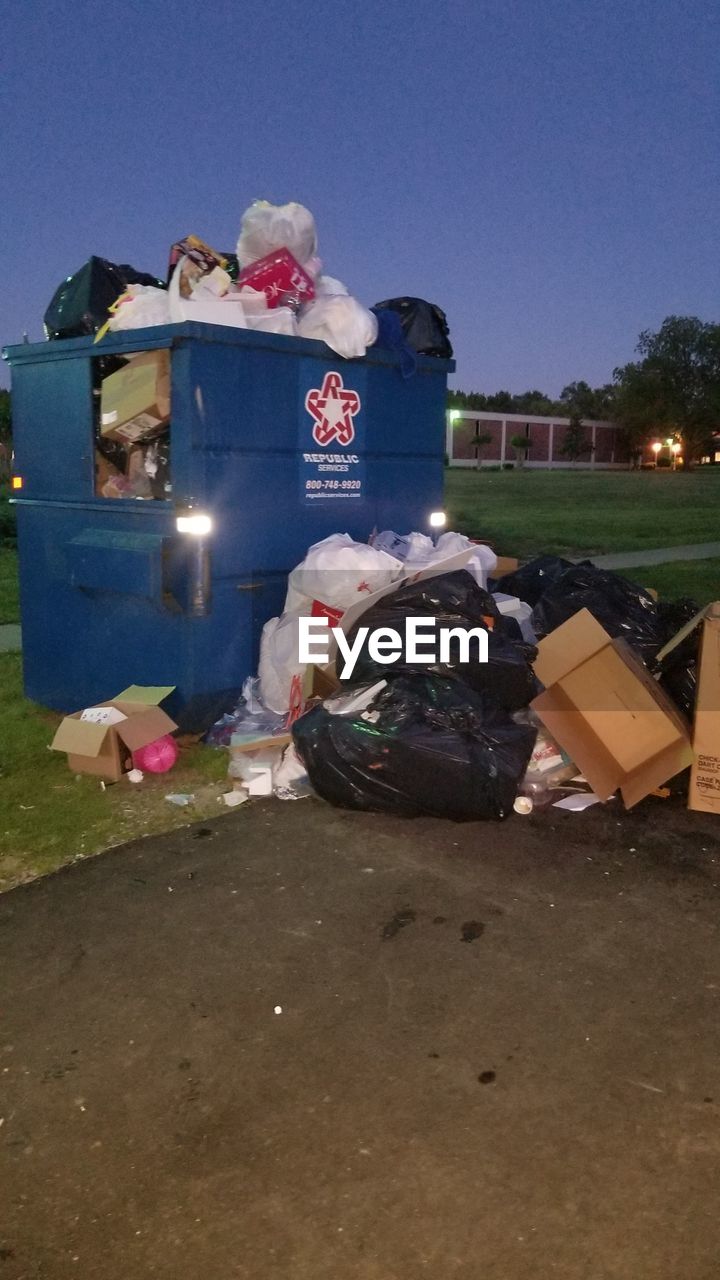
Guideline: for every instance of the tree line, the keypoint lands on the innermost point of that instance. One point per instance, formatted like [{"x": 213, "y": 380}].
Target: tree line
[{"x": 672, "y": 389}]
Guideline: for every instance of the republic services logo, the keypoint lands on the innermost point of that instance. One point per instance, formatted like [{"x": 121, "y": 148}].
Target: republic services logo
[{"x": 333, "y": 406}]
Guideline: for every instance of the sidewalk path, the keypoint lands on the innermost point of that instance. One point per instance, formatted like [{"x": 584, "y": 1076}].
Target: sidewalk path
[
  {"x": 10, "y": 639},
  {"x": 661, "y": 555},
  {"x": 308, "y": 1043}
]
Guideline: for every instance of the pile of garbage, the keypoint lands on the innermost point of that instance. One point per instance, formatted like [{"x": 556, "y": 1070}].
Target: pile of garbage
[
  {"x": 581, "y": 685},
  {"x": 274, "y": 282},
  {"x": 414, "y": 676}
]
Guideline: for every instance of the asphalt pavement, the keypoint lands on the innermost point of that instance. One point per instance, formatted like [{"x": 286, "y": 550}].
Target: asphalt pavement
[{"x": 302, "y": 1043}]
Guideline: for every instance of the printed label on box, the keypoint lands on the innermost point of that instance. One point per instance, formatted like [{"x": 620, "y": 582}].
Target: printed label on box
[
  {"x": 142, "y": 423},
  {"x": 707, "y": 776}
]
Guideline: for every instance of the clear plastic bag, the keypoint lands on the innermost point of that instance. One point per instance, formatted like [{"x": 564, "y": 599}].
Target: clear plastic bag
[{"x": 291, "y": 781}]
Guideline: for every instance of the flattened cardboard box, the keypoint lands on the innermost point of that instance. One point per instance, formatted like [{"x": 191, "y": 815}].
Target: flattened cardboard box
[
  {"x": 135, "y": 400},
  {"x": 103, "y": 750},
  {"x": 606, "y": 711},
  {"x": 704, "y": 794}
]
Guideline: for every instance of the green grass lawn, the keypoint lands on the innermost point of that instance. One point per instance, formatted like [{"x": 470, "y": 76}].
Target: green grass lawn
[
  {"x": 698, "y": 579},
  {"x": 525, "y": 512},
  {"x": 9, "y": 605},
  {"x": 50, "y": 816}
]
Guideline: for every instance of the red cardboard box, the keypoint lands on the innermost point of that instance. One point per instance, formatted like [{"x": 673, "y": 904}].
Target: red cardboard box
[{"x": 276, "y": 275}]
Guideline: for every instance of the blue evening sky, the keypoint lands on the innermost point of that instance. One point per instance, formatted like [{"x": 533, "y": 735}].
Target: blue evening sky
[{"x": 547, "y": 171}]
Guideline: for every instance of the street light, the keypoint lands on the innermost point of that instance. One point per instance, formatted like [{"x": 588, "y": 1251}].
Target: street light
[
  {"x": 656, "y": 447},
  {"x": 675, "y": 450}
]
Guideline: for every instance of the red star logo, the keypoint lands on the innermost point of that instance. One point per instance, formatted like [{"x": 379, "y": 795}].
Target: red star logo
[{"x": 333, "y": 407}]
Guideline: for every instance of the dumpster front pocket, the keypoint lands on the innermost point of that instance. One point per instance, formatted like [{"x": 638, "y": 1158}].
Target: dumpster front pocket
[{"x": 121, "y": 562}]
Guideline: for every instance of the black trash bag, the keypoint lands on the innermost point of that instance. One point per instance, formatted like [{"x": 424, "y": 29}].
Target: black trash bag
[
  {"x": 623, "y": 608},
  {"x": 81, "y": 303},
  {"x": 455, "y": 600},
  {"x": 679, "y": 670},
  {"x": 425, "y": 326},
  {"x": 421, "y": 745},
  {"x": 531, "y": 580}
]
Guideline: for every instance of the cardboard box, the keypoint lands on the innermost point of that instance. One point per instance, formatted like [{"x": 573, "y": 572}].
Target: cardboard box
[
  {"x": 606, "y": 711},
  {"x": 505, "y": 564},
  {"x": 277, "y": 275},
  {"x": 704, "y": 794},
  {"x": 104, "y": 750},
  {"x": 135, "y": 401}
]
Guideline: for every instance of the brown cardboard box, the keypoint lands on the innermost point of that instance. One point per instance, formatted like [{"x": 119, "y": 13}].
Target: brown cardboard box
[
  {"x": 505, "y": 564},
  {"x": 320, "y": 682},
  {"x": 704, "y": 794},
  {"x": 135, "y": 401},
  {"x": 105, "y": 749},
  {"x": 606, "y": 711}
]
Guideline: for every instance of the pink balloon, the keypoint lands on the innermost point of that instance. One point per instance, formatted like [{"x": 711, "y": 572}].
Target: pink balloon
[{"x": 157, "y": 756}]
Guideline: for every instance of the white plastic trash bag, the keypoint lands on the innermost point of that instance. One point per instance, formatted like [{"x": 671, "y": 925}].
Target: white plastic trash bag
[
  {"x": 140, "y": 307},
  {"x": 266, "y": 227},
  {"x": 204, "y": 309},
  {"x": 334, "y": 575},
  {"x": 329, "y": 287},
  {"x": 340, "y": 321},
  {"x": 418, "y": 551},
  {"x": 338, "y": 571},
  {"x": 279, "y": 320},
  {"x": 279, "y": 660}
]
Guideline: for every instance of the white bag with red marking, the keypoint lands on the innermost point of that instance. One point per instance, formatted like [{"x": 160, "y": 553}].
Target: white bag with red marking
[
  {"x": 335, "y": 574},
  {"x": 338, "y": 571}
]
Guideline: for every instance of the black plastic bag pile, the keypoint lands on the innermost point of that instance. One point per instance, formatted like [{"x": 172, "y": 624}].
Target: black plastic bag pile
[
  {"x": 419, "y": 745},
  {"x": 81, "y": 303},
  {"x": 436, "y": 740},
  {"x": 557, "y": 589},
  {"x": 454, "y": 600}
]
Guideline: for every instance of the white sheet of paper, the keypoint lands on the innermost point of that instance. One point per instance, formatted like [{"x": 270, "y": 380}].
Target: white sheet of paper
[
  {"x": 102, "y": 715},
  {"x": 576, "y": 803}
]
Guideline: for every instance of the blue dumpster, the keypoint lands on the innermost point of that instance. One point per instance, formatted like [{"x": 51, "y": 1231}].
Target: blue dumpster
[{"x": 274, "y": 443}]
